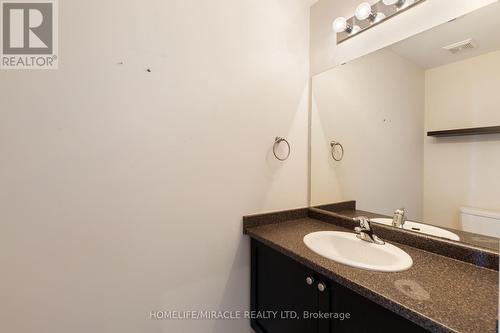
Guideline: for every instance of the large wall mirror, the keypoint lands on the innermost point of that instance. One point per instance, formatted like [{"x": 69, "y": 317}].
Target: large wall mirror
[{"x": 372, "y": 131}]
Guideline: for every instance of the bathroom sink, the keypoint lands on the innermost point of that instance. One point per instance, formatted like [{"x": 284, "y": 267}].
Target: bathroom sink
[
  {"x": 422, "y": 228},
  {"x": 347, "y": 249}
]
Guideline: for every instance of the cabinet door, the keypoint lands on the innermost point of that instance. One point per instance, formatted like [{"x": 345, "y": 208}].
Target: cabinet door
[
  {"x": 365, "y": 315},
  {"x": 279, "y": 285}
]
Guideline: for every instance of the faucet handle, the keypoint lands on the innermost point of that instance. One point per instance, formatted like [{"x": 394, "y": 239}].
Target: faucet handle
[
  {"x": 365, "y": 231},
  {"x": 401, "y": 211},
  {"x": 364, "y": 223},
  {"x": 399, "y": 218}
]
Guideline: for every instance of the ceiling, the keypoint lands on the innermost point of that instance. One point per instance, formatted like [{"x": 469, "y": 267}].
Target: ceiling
[{"x": 426, "y": 49}]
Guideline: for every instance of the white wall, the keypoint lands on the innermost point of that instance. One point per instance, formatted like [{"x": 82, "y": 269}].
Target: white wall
[
  {"x": 374, "y": 106},
  {"x": 122, "y": 191},
  {"x": 326, "y": 54},
  {"x": 462, "y": 171}
]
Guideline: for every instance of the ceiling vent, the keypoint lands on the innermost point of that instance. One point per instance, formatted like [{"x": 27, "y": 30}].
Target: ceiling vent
[{"x": 467, "y": 44}]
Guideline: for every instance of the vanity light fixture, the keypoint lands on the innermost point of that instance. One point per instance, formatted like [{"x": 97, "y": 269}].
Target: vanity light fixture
[{"x": 367, "y": 16}]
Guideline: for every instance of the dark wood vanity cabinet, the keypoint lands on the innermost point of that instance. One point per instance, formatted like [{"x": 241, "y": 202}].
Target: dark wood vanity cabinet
[
  {"x": 279, "y": 284},
  {"x": 283, "y": 291}
]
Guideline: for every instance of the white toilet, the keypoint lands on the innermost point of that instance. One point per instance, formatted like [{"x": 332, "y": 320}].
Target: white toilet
[{"x": 481, "y": 222}]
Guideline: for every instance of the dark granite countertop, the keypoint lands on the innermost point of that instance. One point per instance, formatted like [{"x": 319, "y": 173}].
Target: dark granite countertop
[{"x": 438, "y": 293}]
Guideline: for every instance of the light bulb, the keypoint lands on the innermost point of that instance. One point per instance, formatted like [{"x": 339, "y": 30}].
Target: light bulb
[
  {"x": 363, "y": 11},
  {"x": 399, "y": 3},
  {"x": 379, "y": 17},
  {"x": 355, "y": 29},
  {"x": 339, "y": 25}
]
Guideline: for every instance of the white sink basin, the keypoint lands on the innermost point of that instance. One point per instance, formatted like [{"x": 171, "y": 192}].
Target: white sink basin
[
  {"x": 346, "y": 248},
  {"x": 422, "y": 228}
]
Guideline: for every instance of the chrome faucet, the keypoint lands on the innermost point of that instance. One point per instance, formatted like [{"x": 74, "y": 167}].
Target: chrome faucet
[
  {"x": 399, "y": 218},
  {"x": 365, "y": 231}
]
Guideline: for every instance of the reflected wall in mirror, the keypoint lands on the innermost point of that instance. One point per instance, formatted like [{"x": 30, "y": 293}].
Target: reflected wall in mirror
[{"x": 380, "y": 108}]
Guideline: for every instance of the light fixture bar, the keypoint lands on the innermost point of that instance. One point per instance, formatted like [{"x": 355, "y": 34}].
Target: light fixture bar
[{"x": 367, "y": 16}]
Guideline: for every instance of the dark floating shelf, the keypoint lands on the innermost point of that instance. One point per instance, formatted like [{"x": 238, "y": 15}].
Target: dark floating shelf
[{"x": 466, "y": 131}]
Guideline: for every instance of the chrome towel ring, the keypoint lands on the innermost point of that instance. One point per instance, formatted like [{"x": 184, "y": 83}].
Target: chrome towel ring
[
  {"x": 277, "y": 142},
  {"x": 334, "y": 146}
]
